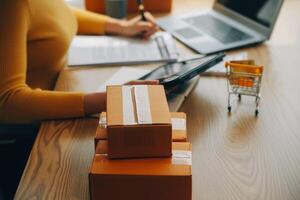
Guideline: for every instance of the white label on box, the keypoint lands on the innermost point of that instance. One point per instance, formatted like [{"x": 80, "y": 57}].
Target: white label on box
[
  {"x": 178, "y": 124},
  {"x": 142, "y": 104},
  {"x": 128, "y": 110},
  {"x": 102, "y": 121},
  {"x": 180, "y": 157}
]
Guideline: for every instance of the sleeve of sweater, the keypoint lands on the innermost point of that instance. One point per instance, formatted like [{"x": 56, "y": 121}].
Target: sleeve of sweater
[
  {"x": 89, "y": 22},
  {"x": 18, "y": 102}
]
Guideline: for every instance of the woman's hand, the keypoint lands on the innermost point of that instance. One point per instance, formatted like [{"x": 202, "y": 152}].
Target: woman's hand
[
  {"x": 133, "y": 27},
  {"x": 94, "y": 103}
]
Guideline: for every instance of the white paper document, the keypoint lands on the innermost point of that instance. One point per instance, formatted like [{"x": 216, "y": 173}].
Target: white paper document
[
  {"x": 124, "y": 75},
  {"x": 99, "y": 50},
  {"x": 219, "y": 69}
]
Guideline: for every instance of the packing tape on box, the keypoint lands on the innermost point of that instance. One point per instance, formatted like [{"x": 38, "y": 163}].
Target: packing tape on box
[
  {"x": 136, "y": 105},
  {"x": 178, "y": 124},
  {"x": 128, "y": 110},
  {"x": 143, "y": 109},
  {"x": 181, "y": 157}
]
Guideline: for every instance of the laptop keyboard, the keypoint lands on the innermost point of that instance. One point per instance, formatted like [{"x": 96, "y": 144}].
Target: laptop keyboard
[{"x": 217, "y": 29}]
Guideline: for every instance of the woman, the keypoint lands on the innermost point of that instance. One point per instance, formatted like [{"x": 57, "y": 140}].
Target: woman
[{"x": 34, "y": 39}]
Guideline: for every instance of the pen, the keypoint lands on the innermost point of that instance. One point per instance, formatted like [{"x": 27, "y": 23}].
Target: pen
[{"x": 141, "y": 9}]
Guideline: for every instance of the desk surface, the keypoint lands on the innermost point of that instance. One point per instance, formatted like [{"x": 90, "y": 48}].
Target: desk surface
[{"x": 235, "y": 156}]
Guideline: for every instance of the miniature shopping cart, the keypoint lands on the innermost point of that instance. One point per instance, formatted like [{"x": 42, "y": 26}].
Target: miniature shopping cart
[{"x": 244, "y": 78}]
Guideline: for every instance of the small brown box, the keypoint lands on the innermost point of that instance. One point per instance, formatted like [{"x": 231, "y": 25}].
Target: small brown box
[
  {"x": 150, "y": 5},
  {"x": 147, "y": 179},
  {"x": 138, "y": 122},
  {"x": 101, "y": 134},
  {"x": 179, "y": 133}
]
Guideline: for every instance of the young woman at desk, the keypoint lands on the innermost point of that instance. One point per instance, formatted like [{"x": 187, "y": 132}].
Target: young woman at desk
[{"x": 34, "y": 39}]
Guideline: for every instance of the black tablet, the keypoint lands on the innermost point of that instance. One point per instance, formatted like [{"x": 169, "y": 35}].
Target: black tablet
[{"x": 172, "y": 74}]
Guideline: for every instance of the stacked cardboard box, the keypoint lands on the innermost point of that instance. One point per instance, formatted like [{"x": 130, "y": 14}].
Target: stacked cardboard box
[
  {"x": 135, "y": 157},
  {"x": 138, "y": 122},
  {"x": 178, "y": 120},
  {"x": 149, "y": 179}
]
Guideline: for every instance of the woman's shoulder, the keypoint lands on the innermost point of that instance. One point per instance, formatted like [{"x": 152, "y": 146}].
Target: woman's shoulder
[
  {"x": 8, "y": 6},
  {"x": 14, "y": 3}
]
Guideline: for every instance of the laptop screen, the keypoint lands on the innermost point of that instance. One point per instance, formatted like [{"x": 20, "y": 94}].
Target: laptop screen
[{"x": 261, "y": 11}]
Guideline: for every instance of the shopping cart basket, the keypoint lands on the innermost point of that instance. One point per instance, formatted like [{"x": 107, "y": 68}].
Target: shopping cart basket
[{"x": 244, "y": 78}]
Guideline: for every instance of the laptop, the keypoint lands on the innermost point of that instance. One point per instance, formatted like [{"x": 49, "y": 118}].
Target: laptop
[{"x": 229, "y": 24}]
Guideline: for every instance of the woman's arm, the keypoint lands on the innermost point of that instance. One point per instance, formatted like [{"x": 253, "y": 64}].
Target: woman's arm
[
  {"x": 92, "y": 23},
  {"x": 18, "y": 102},
  {"x": 89, "y": 22}
]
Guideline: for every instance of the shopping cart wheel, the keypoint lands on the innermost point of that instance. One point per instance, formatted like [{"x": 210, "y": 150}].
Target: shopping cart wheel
[
  {"x": 256, "y": 112},
  {"x": 229, "y": 108},
  {"x": 240, "y": 97}
]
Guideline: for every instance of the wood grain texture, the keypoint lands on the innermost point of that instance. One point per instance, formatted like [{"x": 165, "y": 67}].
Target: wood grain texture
[
  {"x": 235, "y": 156},
  {"x": 239, "y": 156},
  {"x": 59, "y": 162}
]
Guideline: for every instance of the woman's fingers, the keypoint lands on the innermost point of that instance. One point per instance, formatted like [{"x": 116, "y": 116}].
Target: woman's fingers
[
  {"x": 150, "y": 18},
  {"x": 144, "y": 26},
  {"x": 148, "y": 34},
  {"x": 147, "y": 29},
  {"x": 138, "y": 27},
  {"x": 136, "y": 19}
]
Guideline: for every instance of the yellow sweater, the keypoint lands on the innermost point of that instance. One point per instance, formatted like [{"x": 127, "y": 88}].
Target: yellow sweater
[{"x": 34, "y": 38}]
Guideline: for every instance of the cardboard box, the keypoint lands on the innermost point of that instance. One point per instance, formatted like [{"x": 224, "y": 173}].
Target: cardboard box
[
  {"x": 178, "y": 119},
  {"x": 98, "y": 6},
  {"x": 138, "y": 122},
  {"x": 101, "y": 147},
  {"x": 147, "y": 179}
]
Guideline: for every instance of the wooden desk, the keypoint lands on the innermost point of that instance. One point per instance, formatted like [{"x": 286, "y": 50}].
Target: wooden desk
[{"x": 235, "y": 156}]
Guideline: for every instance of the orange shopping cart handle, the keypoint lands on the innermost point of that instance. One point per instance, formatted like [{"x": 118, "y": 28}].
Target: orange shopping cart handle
[{"x": 245, "y": 68}]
